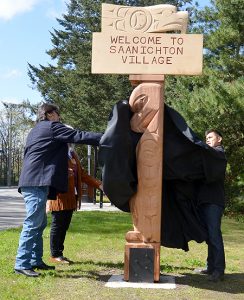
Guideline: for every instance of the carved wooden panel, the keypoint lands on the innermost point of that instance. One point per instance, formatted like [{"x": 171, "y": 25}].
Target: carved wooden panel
[
  {"x": 146, "y": 103},
  {"x": 147, "y": 53},
  {"x": 157, "y": 18}
]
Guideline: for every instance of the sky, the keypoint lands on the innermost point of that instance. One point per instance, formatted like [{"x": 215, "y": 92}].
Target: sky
[{"x": 25, "y": 27}]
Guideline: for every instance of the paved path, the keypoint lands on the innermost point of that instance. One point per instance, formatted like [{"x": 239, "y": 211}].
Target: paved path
[{"x": 12, "y": 208}]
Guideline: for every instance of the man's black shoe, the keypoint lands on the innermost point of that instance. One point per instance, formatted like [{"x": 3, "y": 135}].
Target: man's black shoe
[
  {"x": 43, "y": 266},
  {"x": 216, "y": 276},
  {"x": 203, "y": 271},
  {"x": 27, "y": 272}
]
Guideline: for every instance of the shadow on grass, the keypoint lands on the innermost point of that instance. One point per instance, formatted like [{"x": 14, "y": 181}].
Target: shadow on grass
[
  {"x": 232, "y": 284},
  {"x": 76, "y": 267},
  {"x": 107, "y": 264},
  {"x": 103, "y": 276}
]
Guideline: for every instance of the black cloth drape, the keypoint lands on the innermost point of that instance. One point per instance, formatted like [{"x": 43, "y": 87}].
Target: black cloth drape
[{"x": 188, "y": 163}]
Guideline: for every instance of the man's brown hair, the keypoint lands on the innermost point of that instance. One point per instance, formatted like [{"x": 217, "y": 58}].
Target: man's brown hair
[
  {"x": 214, "y": 131},
  {"x": 44, "y": 109}
]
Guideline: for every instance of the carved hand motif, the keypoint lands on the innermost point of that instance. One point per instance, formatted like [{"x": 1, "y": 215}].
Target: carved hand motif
[{"x": 157, "y": 18}]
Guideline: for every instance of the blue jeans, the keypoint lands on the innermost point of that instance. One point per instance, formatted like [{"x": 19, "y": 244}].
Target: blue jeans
[
  {"x": 30, "y": 249},
  {"x": 211, "y": 215}
]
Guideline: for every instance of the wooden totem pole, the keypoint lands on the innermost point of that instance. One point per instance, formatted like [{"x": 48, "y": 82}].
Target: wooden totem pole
[{"x": 133, "y": 41}]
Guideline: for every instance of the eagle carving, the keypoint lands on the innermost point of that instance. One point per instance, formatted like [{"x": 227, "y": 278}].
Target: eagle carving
[{"x": 151, "y": 19}]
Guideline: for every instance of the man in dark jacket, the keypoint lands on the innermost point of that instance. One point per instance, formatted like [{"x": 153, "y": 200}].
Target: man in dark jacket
[
  {"x": 44, "y": 171},
  {"x": 211, "y": 202}
]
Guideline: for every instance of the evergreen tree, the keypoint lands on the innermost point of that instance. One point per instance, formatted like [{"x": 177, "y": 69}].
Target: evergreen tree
[
  {"x": 84, "y": 98},
  {"x": 215, "y": 99}
]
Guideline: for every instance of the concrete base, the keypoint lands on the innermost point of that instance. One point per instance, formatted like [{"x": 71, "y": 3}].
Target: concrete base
[{"x": 165, "y": 282}]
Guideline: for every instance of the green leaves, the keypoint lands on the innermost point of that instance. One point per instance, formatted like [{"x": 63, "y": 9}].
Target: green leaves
[
  {"x": 214, "y": 99},
  {"x": 85, "y": 99}
]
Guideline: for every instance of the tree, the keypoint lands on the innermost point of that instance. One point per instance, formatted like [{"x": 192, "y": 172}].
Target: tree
[
  {"x": 84, "y": 98},
  {"x": 215, "y": 99},
  {"x": 15, "y": 122},
  {"x": 224, "y": 42}
]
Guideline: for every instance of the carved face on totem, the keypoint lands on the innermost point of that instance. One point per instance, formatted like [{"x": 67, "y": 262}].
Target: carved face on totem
[{"x": 144, "y": 104}]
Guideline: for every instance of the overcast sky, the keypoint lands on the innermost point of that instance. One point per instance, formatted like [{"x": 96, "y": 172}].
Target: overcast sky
[{"x": 25, "y": 27}]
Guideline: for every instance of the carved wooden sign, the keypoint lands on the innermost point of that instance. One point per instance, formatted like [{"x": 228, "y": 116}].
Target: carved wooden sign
[
  {"x": 147, "y": 54},
  {"x": 132, "y": 42}
]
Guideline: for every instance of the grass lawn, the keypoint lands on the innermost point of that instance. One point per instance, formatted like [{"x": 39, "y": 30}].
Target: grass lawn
[{"x": 95, "y": 242}]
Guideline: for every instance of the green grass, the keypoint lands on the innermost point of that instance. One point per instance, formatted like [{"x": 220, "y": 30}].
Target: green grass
[{"x": 95, "y": 242}]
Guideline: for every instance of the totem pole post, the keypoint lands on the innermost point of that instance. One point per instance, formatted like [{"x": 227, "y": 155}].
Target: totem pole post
[
  {"x": 142, "y": 249},
  {"x": 133, "y": 41}
]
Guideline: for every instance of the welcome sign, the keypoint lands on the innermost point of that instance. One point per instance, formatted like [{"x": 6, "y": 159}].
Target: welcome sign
[
  {"x": 149, "y": 53},
  {"x": 146, "y": 42}
]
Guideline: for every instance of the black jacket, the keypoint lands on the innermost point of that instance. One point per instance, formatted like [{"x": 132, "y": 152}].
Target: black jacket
[
  {"x": 212, "y": 192},
  {"x": 188, "y": 163},
  {"x": 46, "y": 155}
]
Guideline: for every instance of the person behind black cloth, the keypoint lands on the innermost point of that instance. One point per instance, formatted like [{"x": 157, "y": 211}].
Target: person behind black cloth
[{"x": 187, "y": 162}]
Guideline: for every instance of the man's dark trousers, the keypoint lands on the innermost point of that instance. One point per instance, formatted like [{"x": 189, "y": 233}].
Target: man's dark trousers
[
  {"x": 211, "y": 215},
  {"x": 60, "y": 224}
]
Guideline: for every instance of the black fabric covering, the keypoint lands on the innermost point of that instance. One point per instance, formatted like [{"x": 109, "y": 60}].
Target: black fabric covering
[
  {"x": 186, "y": 157},
  {"x": 188, "y": 164},
  {"x": 117, "y": 157}
]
